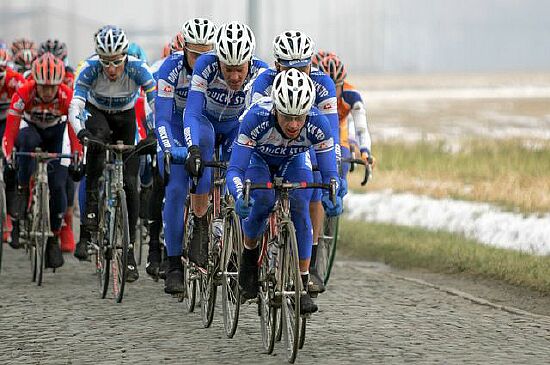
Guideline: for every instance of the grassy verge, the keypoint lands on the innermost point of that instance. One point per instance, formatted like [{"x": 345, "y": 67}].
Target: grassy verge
[
  {"x": 511, "y": 174},
  {"x": 406, "y": 247}
]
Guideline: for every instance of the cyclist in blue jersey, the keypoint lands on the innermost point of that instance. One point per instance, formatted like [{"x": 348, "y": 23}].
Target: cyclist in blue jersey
[
  {"x": 274, "y": 137},
  {"x": 294, "y": 49},
  {"x": 211, "y": 119},
  {"x": 102, "y": 107},
  {"x": 174, "y": 79}
]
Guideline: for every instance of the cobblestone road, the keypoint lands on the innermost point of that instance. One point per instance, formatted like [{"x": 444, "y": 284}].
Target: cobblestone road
[{"x": 366, "y": 316}]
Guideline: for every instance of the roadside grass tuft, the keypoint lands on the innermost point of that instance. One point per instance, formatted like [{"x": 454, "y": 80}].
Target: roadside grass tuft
[
  {"x": 512, "y": 174},
  {"x": 406, "y": 248}
]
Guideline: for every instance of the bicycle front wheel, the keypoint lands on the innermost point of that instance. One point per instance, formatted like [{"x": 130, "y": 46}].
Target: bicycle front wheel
[
  {"x": 43, "y": 230},
  {"x": 326, "y": 250},
  {"x": 231, "y": 254},
  {"x": 290, "y": 292},
  {"x": 119, "y": 247}
]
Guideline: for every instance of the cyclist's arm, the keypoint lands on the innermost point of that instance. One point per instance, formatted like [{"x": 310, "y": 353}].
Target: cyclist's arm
[
  {"x": 324, "y": 147},
  {"x": 164, "y": 103},
  {"x": 86, "y": 76},
  {"x": 19, "y": 100},
  {"x": 328, "y": 107},
  {"x": 359, "y": 115},
  {"x": 240, "y": 155},
  {"x": 203, "y": 73}
]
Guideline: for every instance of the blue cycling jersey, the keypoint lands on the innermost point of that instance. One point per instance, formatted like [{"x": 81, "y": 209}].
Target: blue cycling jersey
[
  {"x": 325, "y": 99},
  {"x": 173, "y": 82},
  {"x": 94, "y": 86},
  {"x": 260, "y": 134},
  {"x": 210, "y": 96}
]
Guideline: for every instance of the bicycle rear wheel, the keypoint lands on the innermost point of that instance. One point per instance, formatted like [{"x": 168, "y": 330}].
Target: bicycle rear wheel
[
  {"x": 290, "y": 292},
  {"x": 119, "y": 246},
  {"x": 41, "y": 234},
  {"x": 191, "y": 288},
  {"x": 231, "y": 260},
  {"x": 326, "y": 251}
]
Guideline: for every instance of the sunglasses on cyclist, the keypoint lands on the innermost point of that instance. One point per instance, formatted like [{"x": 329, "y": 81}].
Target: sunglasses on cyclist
[
  {"x": 115, "y": 63},
  {"x": 198, "y": 53}
]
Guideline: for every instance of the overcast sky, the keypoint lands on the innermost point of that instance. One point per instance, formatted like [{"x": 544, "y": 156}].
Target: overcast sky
[{"x": 370, "y": 35}]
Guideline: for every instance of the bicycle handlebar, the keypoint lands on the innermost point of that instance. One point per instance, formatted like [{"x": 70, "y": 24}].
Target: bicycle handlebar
[
  {"x": 367, "y": 164},
  {"x": 280, "y": 185}
]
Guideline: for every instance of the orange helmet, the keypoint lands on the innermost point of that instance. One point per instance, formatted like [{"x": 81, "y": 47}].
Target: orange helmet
[
  {"x": 48, "y": 70},
  {"x": 177, "y": 43},
  {"x": 4, "y": 57},
  {"x": 330, "y": 64}
]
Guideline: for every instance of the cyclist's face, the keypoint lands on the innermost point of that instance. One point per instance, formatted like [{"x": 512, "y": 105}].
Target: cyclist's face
[
  {"x": 234, "y": 75},
  {"x": 304, "y": 69},
  {"x": 113, "y": 66},
  {"x": 47, "y": 92},
  {"x": 193, "y": 51},
  {"x": 291, "y": 124}
]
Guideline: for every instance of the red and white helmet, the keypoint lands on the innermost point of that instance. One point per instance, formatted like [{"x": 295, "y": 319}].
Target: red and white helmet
[
  {"x": 199, "y": 31},
  {"x": 293, "y": 92},
  {"x": 235, "y": 43},
  {"x": 330, "y": 64},
  {"x": 48, "y": 70},
  {"x": 178, "y": 43}
]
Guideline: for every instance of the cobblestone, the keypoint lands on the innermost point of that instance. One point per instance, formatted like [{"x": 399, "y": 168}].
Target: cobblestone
[{"x": 366, "y": 316}]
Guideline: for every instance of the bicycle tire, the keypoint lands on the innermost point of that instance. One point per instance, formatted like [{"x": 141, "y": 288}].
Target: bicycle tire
[
  {"x": 267, "y": 309},
  {"x": 119, "y": 247},
  {"x": 327, "y": 248},
  {"x": 302, "y": 334},
  {"x": 231, "y": 254},
  {"x": 190, "y": 274},
  {"x": 209, "y": 292},
  {"x": 41, "y": 235},
  {"x": 191, "y": 288},
  {"x": 291, "y": 284},
  {"x": 103, "y": 253}
]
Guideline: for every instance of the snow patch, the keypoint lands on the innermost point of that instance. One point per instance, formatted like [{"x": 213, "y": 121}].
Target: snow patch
[{"x": 480, "y": 221}]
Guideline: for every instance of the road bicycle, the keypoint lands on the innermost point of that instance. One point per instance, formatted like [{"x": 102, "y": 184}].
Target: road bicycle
[
  {"x": 280, "y": 283},
  {"x": 37, "y": 220}
]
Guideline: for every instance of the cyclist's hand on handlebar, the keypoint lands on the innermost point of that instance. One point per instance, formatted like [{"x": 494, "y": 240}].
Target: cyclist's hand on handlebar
[
  {"x": 193, "y": 164},
  {"x": 343, "y": 188},
  {"x": 148, "y": 145},
  {"x": 83, "y": 135},
  {"x": 179, "y": 154},
  {"x": 365, "y": 154},
  {"x": 332, "y": 210},
  {"x": 242, "y": 209}
]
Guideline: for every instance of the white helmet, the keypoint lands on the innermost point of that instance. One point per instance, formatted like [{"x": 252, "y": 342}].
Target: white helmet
[
  {"x": 293, "y": 49},
  {"x": 235, "y": 43},
  {"x": 293, "y": 92},
  {"x": 199, "y": 31},
  {"x": 111, "y": 40}
]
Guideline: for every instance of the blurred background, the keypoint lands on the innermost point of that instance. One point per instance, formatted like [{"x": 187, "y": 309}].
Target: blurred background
[{"x": 370, "y": 35}]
